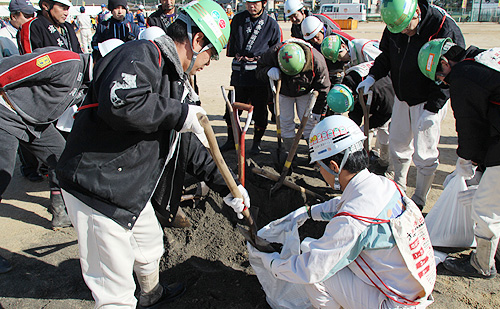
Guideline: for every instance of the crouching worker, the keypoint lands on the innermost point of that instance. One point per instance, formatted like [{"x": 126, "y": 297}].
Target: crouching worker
[
  {"x": 126, "y": 156},
  {"x": 302, "y": 69},
  {"x": 375, "y": 251},
  {"x": 473, "y": 76}
]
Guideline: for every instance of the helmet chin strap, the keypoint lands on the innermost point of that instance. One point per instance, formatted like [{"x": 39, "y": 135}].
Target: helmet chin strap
[
  {"x": 347, "y": 152},
  {"x": 185, "y": 18}
]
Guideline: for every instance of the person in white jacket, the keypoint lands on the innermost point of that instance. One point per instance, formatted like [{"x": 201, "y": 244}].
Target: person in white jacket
[{"x": 358, "y": 262}]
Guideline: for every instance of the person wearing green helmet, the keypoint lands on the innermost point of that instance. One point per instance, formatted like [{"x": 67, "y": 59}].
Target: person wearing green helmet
[
  {"x": 352, "y": 52},
  {"x": 123, "y": 168},
  {"x": 253, "y": 32},
  {"x": 302, "y": 69},
  {"x": 419, "y": 104},
  {"x": 473, "y": 76}
]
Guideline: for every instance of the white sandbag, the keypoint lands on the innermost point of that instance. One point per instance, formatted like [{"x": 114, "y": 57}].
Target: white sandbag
[
  {"x": 449, "y": 222},
  {"x": 65, "y": 122},
  {"x": 280, "y": 293}
]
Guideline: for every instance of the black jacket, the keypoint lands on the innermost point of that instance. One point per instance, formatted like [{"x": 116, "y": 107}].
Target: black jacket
[
  {"x": 159, "y": 19},
  {"x": 116, "y": 152},
  {"x": 475, "y": 99},
  {"x": 314, "y": 76},
  {"x": 399, "y": 57},
  {"x": 246, "y": 48},
  {"x": 112, "y": 28},
  {"x": 40, "y": 32}
]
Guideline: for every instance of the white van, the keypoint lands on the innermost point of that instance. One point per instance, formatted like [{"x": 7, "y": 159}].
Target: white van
[{"x": 345, "y": 11}]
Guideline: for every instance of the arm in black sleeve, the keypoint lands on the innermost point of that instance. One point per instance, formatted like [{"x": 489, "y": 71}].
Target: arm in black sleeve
[{"x": 267, "y": 61}]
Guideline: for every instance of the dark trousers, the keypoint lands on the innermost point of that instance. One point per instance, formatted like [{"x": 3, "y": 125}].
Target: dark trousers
[
  {"x": 257, "y": 96},
  {"x": 29, "y": 163},
  {"x": 48, "y": 148}
]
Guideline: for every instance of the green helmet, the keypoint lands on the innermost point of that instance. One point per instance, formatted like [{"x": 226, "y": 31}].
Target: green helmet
[
  {"x": 291, "y": 58},
  {"x": 212, "y": 21},
  {"x": 340, "y": 99},
  {"x": 429, "y": 55},
  {"x": 397, "y": 14},
  {"x": 330, "y": 47}
]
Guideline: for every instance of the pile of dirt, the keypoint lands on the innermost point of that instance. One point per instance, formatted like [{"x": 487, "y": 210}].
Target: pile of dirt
[{"x": 212, "y": 253}]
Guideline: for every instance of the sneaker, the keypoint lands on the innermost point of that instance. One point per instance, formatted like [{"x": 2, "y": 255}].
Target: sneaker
[
  {"x": 463, "y": 267},
  {"x": 170, "y": 293},
  {"x": 34, "y": 177},
  {"x": 4, "y": 265}
]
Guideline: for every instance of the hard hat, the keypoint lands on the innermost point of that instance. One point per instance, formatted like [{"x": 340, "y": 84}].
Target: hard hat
[
  {"x": 310, "y": 27},
  {"x": 292, "y": 6},
  {"x": 103, "y": 5},
  {"x": 63, "y": 2},
  {"x": 340, "y": 99},
  {"x": 211, "y": 19},
  {"x": 228, "y": 6},
  {"x": 256, "y": 0},
  {"x": 82, "y": 9},
  {"x": 151, "y": 33},
  {"x": 397, "y": 14},
  {"x": 330, "y": 47},
  {"x": 291, "y": 59},
  {"x": 332, "y": 135},
  {"x": 429, "y": 55},
  {"x": 108, "y": 45},
  {"x": 141, "y": 7}
]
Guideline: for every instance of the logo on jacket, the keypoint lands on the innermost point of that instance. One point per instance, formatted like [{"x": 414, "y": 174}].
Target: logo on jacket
[
  {"x": 43, "y": 61},
  {"x": 129, "y": 82}
]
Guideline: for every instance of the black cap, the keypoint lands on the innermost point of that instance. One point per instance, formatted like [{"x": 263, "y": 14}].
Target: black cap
[
  {"x": 113, "y": 4},
  {"x": 24, "y": 6}
]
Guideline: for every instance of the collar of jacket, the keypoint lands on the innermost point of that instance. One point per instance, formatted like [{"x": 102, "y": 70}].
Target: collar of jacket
[{"x": 169, "y": 52}]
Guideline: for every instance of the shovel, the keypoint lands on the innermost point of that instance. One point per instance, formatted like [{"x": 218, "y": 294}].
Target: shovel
[
  {"x": 366, "y": 116},
  {"x": 250, "y": 235},
  {"x": 280, "y": 155},
  {"x": 291, "y": 154}
]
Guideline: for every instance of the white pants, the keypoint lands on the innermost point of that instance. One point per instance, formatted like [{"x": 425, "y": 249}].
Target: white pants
[
  {"x": 406, "y": 142},
  {"x": 346, "y": 290},
  {"x": 383, "y": 134},
  {"x": 486, "y": 205},
  {"x": 110, "y": 253},
  {"x": 287, "y": 115},
  {"x": 85, "y": 40}
]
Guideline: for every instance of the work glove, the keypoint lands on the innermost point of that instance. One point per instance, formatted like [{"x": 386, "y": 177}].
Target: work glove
[
  {"x": 266, "y": 258},
  {"x": 366, "y": 85},
  {"x": 274, "y": 73},
  {"x": 316, "y": 117},
  {"x": 191, "y": 124},
  {"x": 298, "y": 217},
  {"x": 465, "y": 168},
  {"x": 426, "y": 120},
  {"x": 238, "y": 204}
]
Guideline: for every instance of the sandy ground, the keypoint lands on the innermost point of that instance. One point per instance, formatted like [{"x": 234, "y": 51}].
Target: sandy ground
[{"x": 209, "y": 257}]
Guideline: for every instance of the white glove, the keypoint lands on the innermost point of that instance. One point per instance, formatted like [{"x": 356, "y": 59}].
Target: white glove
[
  {"x": 238, "y": 204},
  {"x": 465, "y": 168},
  {"x": 316, "y": 117},
  {"x": 191, "y": 124},
  {"x": 298, "y": 217},
  {"x": 366, "y": 85},
  {"x": 267, "y": 258},
  {"x": 426, "y": 120},
  {"x": 274, "y": 73}
]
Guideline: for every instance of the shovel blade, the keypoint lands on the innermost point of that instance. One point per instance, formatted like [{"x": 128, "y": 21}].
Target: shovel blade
[{"x": 258, "y": 242}]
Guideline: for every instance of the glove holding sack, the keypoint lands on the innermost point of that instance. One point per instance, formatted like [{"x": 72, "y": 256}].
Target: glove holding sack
[
  {"x": 366, "y": 85},
  {"x": 274, "y": 73},
  {"x": 191, "y": 124}
]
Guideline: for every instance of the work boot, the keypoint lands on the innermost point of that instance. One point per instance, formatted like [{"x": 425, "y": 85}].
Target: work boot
[
  {"x": 161, "y": 295},
  {"x": 58, "y": 210},
  {"x": 463, "y": 267},
  {"x": 4, "y": 265},
  {"x": 257, "y": 138},
  {"x": 229, "y": 144},
  {"x": 423, "y": 185}
]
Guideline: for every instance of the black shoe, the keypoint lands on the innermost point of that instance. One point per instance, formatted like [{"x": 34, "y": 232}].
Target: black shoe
[
  {"x": 228, "y": 145},
  {"x": 255, "y": 150},
  {"x": 57, "y": 208},
  {"x": 34, "y": 177},
  {"x": 463, "y": 267},
  {"x": 170, "y": 293},
  {"x": 4, "y": 265}
]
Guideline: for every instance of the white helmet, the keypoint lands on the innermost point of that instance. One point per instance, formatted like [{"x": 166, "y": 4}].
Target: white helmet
[
  {"x": 63, "y": 2},
  {"x": 333, "y": 135},
  {"x": 292, "y": 6},
  {"x": 228, "y": 6},
  {"x": 108, "y": 45},
  {"x": 141, "y": 7},
  {"x": 310, "y": 27},
  {"x": 151, "y": 33}
]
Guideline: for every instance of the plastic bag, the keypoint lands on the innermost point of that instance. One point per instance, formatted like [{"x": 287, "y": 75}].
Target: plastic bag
[
  {"x": 280, "y": 293},
  {"x": 450, "y": 222}
]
